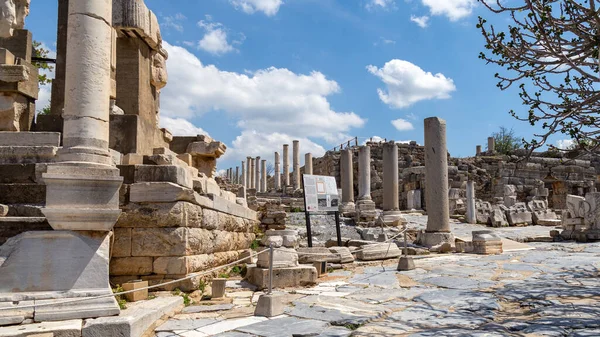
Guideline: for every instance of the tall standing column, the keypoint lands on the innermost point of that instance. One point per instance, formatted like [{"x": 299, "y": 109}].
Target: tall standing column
[
  {"x": 296, "y": 162},
  {"x": 237, "y": 175},
  {"x": 347, "y": 180},
  {"x": 436, "y": 192},
  {"x": 277, "y": 174},
  {"x": 491, "y": 145},
  {"x": 478, "y": 150},
  {"x": 257, "y": 174},
  {"x": 471, "y": 215},
  {"x": 365, "y": 207},
  {"x": 263, "y": 174},
  {"x": 286, "y": 165},
  {"x": 391, "y": 202},
  {"x": 243, "y": 177},
  {"x": 248, "y": 174},
  {"x": 308, "y": 164},
  {"x": 252, "y": 173}
]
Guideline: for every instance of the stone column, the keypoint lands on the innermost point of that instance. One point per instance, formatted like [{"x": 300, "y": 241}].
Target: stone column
[
  {"x": 57, "y": 101},
  {"x": 277, "y": 174},
  {"x": 263, "y": 174},
  {"x": 471, "y": 213},
  {"x": 296, "y": 162},
  {"x": 436, "y": 192},
  {"x": 347, "y": 180},
  {"x": 391, "y": 202},
  {"x": 252, "y": 173},
  {"x": 257, "y": 174},
  {"x": 286, "y": 165},
  {"x": 237, "y": 175},
  {"x": 243, "y": 177},
  {"x": 491, "y": 145},
  {"x": 248, "y": 174},
  {"x": 308, "y": 164},
  {"x": 365, "y": 207},
  {"x": 478, "y": 150}
]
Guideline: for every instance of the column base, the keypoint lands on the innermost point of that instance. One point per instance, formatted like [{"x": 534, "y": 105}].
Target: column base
[
  {"x": 431, "y": 239},
  {"x": 406, "y": 263},
  {"x": 393, "y": 218},
  {"x": 44, "y": 267},
  {"x": 348, "y": 209},
  {"x": 82, "y": 197}
]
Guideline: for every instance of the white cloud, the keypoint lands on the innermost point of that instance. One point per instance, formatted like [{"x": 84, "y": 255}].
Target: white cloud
[
  {"x": 408, "y": 84},
  {"x": 385, "y": 4},
  {"x": 564, "y": 144},
  {"x": 269, "y": 7},
  {"x": 374, "y": 139},
  {"x": 174, "y": 21},
  {"x": 267, "y": 101},
  {"x": 180, "y": 127},
  {"x": 421, "y": 21},
  {"x": 402, "y": 124},
  {"x": 252, "y": 143},
  {"x": 453, "y": 9},
  {"x": 214, "y": 40}
]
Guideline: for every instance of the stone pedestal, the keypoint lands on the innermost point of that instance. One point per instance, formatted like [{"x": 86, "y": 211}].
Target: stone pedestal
[
  {"x": 436, "y": 194},
  {"x": 347, "y": 207},
  {"x": 406, "y": 263},
  {"x": 471, "y": 215},
  {"x": 277, "y": 174},
  {"x": 269, "y": 305},
  {"x": 296, "y": 162},
  {"x": 286, "y": 165}
]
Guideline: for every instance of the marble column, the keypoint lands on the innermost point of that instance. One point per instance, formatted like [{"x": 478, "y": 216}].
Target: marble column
[
  {"x": 436, "y": 192},
  {"x": 252, "y": 173},
  {"x": 391, "y": 202},
  {"x": 365, "y": 207},
  {"x": 347, "y": 180},
  {"x": 308, "y": 163},
  {"x": 471, "y": 212},
  {"x": 296, "y": 162},
  {"x": 478, "y": 150},
  {"x": 263, "y": 174},
  {"x": 257, "y": 184},
  {"x": 243, "y": 177},
  {"x": 237, "y": 175},
  {"x": 248, "y": 173},
  {"x": 277, "y": 174},
  {"x": 491, "y": 145},
  {"x": 286, "y": 165}
]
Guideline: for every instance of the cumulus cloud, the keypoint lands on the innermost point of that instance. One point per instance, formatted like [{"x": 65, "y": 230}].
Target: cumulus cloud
[
  {"x": 384, "y": 4},
  {"x": 402, "y": 124},
  {"x": 174, "y": 22},
  {"x": 268, "y": 7},
  {"x": 215, "y": 40},
  {"x": 408, "y": 84},
  {"x": 452, "y": 9},
  {"x": 267, "y": 101},
  {"x": 421, "y": 21},
  {"x": 564, "y": 144},
  {"x": 180, "y": 127}
]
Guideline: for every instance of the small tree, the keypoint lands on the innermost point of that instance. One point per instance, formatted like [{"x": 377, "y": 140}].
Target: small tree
[
  {"x": 506, "y": 141},
  {"x": 39, "y": 51}
]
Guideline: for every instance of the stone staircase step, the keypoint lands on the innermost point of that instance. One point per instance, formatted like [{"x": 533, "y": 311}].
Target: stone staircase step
[
  {"x": 27, "y": 154},
  {"x": 25, "y": 210},
  {"x": 12, "y": 226},
  {"x": 22, "y": 193},
  {"x": 11, "y": 138},
  {"x": 17, "y": 173}
]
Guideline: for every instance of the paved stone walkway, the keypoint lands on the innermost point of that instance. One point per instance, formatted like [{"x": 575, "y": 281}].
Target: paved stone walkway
[{"x": 553, "y": 290}]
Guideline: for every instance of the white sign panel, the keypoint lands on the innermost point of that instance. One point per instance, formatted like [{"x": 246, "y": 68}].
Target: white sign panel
[{"x": 320, "y": 193}]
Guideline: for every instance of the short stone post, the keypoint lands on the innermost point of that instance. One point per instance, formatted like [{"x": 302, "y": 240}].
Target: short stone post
[
  {"x": 277, "y": 174},
  {"x": 263, "y": 173},
  {"x": 478, "y": 150},
  {"x": 347, "y": 180},
  {"x": 436, "y": 192},
  {"x": 218, "y": 287},
  {"x": 471, "y": 212},
  {"x": 391, "y": 202},
  {"x": 296, "y": 162},
  {"x": 308, "y": 164},
  {"x": 257, "y": 174},
  {"x": 491, "y": 145},
  {"x": 286, "y": 165},
  {"x": 365, "y": 207}
]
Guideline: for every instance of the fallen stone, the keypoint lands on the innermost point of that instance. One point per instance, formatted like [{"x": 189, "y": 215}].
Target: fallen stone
[
  {"x": 344, "y": 254},
  {"x": 282, "y": 277},
  {"x": 378, "y": 251}
]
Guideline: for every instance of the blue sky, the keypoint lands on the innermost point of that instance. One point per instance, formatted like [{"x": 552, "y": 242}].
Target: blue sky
[{"x": 258, "y": 73}]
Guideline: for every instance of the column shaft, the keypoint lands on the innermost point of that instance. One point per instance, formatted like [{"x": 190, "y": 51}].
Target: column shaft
[
  {"x": 436, "y": 175},
  {"x": 296, "y": 162},
  {"x": 471, "y": 215},
  {"x": 308, "y": 163},
  {"x": 286, "y": 165},
  {"x": 390, "y": 177},
  {"x": 347, "y": 176},
  {"x": 263, "y": 173},
  {"x": 277, "y": 174},
  {"x": 364, "y": 173}
]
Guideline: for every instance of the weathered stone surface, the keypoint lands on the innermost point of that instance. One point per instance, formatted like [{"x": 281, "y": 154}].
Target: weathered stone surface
[
  {"x": 378, "y": 251},
  {"x": 282, "y": 258},
  {"x": 194, "y": 263},
  {"x": 172, "y": 214},
  {"x": 312, "y": 254},
  {"x": 131, "y": 266},
  {"x": 164, "y": 173},
  {"x": 518, "y": 216},
  {"x": 283, "y": 277},
  {"x": 27, "y": 154},
  {"x": 69, "y": 328},
  {"x": 8, "y": 138},
  {"x": 160, "y": 192},
  {"x": 344, "y": 254}
]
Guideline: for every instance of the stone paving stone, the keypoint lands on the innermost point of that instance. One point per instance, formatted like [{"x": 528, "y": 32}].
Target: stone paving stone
[
  {"x": 370, "y": 296},
  {"x": 207, "y": 308},
  {"x": 420, "y": 316},
  {"x": 380, "y": 279},
  {"x": 452, "y": 282},
  {"x": 184, "y": 324},
  {"x": 231, "y": 324},
  {"x": 233, "y": 334},
  {"x": 285, "y": 326},
  {"x": 337, "y": 311},
  {"x": 459, "y": 299},
  {"x": 458, "y": 333}
]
